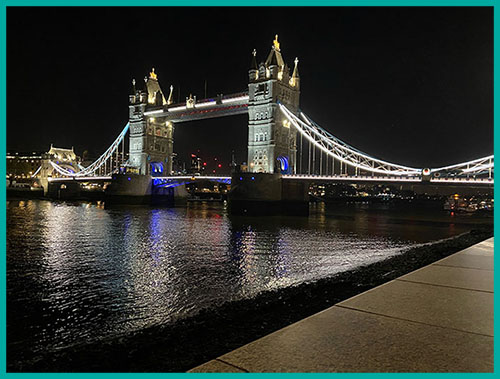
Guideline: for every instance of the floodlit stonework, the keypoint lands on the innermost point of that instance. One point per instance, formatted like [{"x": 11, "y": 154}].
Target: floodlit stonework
[
  {"x": 151, "y": 140},
  {"x": 272, "y": 143}
]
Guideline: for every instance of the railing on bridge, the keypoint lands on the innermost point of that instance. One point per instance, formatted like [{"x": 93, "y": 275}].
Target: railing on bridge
[
  {"x": 326, "y": 155},
  {"x": 219, "y": 106},
  {"x": 326, "y": 158}
]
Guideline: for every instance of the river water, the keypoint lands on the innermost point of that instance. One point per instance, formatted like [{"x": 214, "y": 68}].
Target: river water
[{"x": 78, "y": 273}]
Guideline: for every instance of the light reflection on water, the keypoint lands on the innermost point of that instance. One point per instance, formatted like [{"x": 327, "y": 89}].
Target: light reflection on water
[{"x": 78, "y": 272}]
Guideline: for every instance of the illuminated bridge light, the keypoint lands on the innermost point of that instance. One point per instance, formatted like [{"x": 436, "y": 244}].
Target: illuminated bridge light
[
  {"x": 318, "y": 137},
  {"x": 153, "y": 112}
]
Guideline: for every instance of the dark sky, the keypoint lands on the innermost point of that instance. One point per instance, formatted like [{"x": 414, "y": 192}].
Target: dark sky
[{"x": 410, "y": 85}]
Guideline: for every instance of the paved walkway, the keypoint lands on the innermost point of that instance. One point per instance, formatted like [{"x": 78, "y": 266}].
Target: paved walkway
[{"x": 436, "y": 319}]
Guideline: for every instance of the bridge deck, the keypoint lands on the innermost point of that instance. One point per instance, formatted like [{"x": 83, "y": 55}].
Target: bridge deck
[
  {"x": 436, "y": 319},
  {"x": 229, "y": 105},
  {"x": 333, "y": 178}
]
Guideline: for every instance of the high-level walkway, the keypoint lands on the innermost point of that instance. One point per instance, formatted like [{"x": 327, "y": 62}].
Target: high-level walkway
[{"x": 436, "y": 319}]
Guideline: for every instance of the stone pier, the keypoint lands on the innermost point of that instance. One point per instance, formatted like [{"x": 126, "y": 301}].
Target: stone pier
[{"x": 262, "y": 193}]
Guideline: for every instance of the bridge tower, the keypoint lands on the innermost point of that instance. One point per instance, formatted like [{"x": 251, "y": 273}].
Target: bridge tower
[
  {"x": 151, "y": 140},
  {"x": 272, "y": 141}
]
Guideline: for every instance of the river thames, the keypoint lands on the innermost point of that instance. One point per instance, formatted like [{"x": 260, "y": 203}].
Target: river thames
[{"x": 78, "y": 273}]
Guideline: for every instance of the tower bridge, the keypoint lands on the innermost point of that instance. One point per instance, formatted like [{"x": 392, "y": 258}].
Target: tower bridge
[{"x": 282, "y": 139}]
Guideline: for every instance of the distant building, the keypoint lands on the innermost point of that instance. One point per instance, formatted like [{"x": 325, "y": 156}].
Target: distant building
[
  {"x": 65, "y": 158},
  {"x": 62, "y": 155},
  {"x": 178, "y": 167},
  {"x": 22, "y": 165},
  {"x": 196, "y": 166},
  {"x": 27, "y": 165}
]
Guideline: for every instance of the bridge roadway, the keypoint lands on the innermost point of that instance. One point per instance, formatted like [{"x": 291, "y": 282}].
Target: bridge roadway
[
  {"x": 220, "y": 106},
  {"x": 347, "y": 178},
  {"x": 333, "y": 178}
]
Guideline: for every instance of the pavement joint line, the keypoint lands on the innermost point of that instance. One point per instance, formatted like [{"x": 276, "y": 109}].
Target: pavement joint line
[
  {"x": 473, "y": 268},
  {"x": 443, "y": 285},
  {"x": 413, "y": 321},
  {"x": 230, "y": 364}
]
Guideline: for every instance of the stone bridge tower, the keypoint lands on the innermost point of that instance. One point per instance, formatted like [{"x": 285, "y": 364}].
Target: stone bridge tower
[
  {"x": 272, "y": 141},
  {"x": 151, "y": 140}
]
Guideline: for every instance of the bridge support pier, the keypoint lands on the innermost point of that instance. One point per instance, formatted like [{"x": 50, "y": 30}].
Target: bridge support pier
[
  {"x": 267, "y": 194},
  {"x": 63, "y": 190},
  {"x": 134, "y": 189},
  {"x": 131, "y": 189}
]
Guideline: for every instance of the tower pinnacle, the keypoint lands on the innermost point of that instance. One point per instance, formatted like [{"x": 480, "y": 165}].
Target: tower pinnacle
[
  {"x": 274, "y": 57},
  {"x": 276, "y": 44},
  {"x": 133, "y": 87},
  {"x": 295, "y": 76},
  {"x": 296, "y": 68},
  {"x": 152, "y": 74},
  {"x": 169, "y": 101},
  {"x": 253, "y": 64}
]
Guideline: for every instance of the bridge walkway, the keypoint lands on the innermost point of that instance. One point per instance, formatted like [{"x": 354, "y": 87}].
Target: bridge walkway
[{"x": 436, "y": 319}]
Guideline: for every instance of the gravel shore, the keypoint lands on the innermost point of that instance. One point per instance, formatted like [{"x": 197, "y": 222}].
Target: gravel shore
[{"x": 213, "y": 332}]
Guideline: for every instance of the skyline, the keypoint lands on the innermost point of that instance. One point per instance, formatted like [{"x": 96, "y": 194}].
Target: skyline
[{"x": 416, "y": 87}]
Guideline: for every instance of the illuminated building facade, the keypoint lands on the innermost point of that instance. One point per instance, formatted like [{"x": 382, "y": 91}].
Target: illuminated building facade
[
  {"x": 196, "y": 166},
  {"x": 23, "y": 165},
  {"x": 151, "y": 140},
  {"x": 272, "y": 142}
]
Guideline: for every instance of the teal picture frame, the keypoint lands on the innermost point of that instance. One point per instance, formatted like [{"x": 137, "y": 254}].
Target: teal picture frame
[{"x": 3, "y": 137}]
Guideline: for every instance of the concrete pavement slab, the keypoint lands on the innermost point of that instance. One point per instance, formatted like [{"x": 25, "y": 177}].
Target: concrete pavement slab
[
  {"x": 468, "y": 260},
  {"x": 469, "y": 311},
  {"x": 458, "y": 277},
  {"x": 216, "y": 365},
  {"x": 345, "y": 340}
]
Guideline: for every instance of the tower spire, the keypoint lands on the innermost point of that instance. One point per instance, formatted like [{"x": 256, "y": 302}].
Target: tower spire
[
  {"x": 253, "y": 65},
  {"x": 295, "y": 76},
  {"x": 152, "y": 74},
  {"x": 133, "y": 87},
  {"x": 276, "y": 44},
  {"x": 169, "y": 101},
  {"x": 296, "y": 68},
  {"x": 274, "y": 57}
]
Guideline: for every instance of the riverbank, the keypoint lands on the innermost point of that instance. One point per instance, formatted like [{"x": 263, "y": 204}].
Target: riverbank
[
  {"x": 213, "y": 332},
  {"x": 438, "y": 318}
]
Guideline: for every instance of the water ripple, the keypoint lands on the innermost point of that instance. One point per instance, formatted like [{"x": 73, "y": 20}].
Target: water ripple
[{"x": 79, "y": 273}]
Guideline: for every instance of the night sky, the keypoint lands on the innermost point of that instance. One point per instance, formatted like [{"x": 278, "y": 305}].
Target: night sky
[{"x": 409, "y": 85}]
